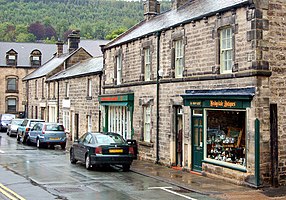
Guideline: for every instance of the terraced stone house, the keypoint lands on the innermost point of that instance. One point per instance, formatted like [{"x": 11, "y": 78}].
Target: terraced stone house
[{"x": 202, "y": 87}]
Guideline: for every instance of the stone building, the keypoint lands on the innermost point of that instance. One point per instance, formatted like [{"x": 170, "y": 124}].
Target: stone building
[
  {"x": 43, "y": 96},
  {"x": 202, "y": 87},
  {"x": 16, "y": 61},
  {"x": 79, "y": 87}
]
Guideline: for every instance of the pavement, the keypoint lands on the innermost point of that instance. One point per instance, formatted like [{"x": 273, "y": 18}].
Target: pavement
[{"x": 213, "y": 187}]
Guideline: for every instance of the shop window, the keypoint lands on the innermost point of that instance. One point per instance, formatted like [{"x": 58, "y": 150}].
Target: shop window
[
  {"x": 147, "y": 65},
  {"x": 147, "y": 123},
  {"x": 12, "y": 85},
  {"x": 226, "y": 50},
  {"x": 225, "y": 137},
  {"x": 11, "y": 103}
]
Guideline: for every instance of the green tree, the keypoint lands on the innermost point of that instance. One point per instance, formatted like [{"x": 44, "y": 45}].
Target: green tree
[
  {"x": 25, "y": 37},
  {"x": 115, "y": 33}
]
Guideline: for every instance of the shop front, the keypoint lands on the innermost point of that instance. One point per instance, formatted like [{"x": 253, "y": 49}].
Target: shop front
[
  {"x": 219, "y": 126},
  {"x": 117, "y": 114}
]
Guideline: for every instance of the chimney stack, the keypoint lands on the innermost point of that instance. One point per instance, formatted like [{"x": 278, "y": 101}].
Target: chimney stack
[
  {"x": 73, "y": 40},
  {"x": 178, "y": 3},
  {"x": 60, "y": 48},
  {"x": 151, "y": 9}
]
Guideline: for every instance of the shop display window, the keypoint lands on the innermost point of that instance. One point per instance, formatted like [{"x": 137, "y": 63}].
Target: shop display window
[{"x": 226, "y": 136}]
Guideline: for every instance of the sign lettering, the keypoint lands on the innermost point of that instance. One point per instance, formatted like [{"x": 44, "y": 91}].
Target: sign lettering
[{"x": 225, "y": 104}]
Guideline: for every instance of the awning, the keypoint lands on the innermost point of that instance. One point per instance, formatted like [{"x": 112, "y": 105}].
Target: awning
[
  {"x": 114, "y": 103},
  {"x": 219, "y": 98}
]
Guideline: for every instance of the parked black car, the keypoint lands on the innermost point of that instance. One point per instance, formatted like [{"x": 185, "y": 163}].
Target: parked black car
[
  {"x": 97, "y": 149},
  {"x": 5, "y": 119}
]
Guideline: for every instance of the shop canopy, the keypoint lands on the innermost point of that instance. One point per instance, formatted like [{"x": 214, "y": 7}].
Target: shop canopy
[{"x": 219, "y": 98}]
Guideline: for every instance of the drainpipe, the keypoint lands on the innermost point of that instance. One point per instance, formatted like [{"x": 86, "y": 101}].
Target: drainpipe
[
  {"x": 158, "y": 95},
  {"x": 257, "y": 153},
  {"x": 27, "y": 99},
  {"x": 99, "y": 111},
  {"x": 58, "y": 103}
]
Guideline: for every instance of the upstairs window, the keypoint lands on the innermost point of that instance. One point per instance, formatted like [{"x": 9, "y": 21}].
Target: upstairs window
[
  {"x": 36, "y": 89},
  {"x": 67, "y": 90},
  {"x": 179, "y": 58},
  {"x": 147, "y": 65},
  {"x": 12, "y": 85},
  {"x": 226, "y": 50},
  {"x": 11, "y": 57},
  {"x": 118, "y": 69},
  {"x": 35, "y": 58},
  {"x": 89, "y": 87},
  {"x": 43, "y": 88}
]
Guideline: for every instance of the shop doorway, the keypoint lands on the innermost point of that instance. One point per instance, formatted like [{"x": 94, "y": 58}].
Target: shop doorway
[
  {"x": 179, "y": 135},
  {"x": 197, "y": 140}
]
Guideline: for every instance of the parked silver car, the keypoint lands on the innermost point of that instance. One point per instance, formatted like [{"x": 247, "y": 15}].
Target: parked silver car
[
  {"x": 13, "y": 126},
  {"x": 25, "y": 127},
  {"x": 44, "y": 134}
]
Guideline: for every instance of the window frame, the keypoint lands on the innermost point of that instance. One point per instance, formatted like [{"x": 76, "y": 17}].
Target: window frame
[
  {"x": 89, "y": 87},
  {"x": 179, "y": 57},
  {"x": 118, "y": 69},
  {"x": 226, "y": 50},
  {"x": 147, "y": 123},
  {"x": 67, "y": 89},
  {"x": 147, "y": 64},
  {"x": 15, "y": 105},
  {"x": 15, "y": 84}
]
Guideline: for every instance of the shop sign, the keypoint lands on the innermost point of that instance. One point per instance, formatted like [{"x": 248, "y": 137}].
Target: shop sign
[
  {"x": 223, "y": 104},
  {"x": 114, "y": 98},
  {"x": 196, "y": 103}
]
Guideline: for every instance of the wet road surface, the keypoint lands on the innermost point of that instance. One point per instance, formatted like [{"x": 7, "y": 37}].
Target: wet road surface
[{"x": 47, "y": 174}]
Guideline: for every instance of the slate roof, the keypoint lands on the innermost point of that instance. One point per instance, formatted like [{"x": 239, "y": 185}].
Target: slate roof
[
  {"x": 49, "y": 66},
  {"x": 47, "y": 50},
  {"x": 193, "y": 10},
  {"x": 92, "y": 65}
]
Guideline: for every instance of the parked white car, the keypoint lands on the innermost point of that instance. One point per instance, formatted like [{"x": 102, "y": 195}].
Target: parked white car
[{"x": 13, "y": 126}]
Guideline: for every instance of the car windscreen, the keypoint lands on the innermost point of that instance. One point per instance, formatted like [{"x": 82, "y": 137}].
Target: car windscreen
[
  {"x": 108, "y": 139},
  {"x": 7, "y": 117},
  {"x": 54, "y": 127},
  {"x": 17, "y": 122}
]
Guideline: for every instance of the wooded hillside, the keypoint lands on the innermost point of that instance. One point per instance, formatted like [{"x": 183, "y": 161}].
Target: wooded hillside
[{"x": 33, "y": 20}]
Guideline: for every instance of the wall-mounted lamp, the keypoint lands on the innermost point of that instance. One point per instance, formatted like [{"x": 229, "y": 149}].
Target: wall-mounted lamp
[{"x": 160, "y": 73}]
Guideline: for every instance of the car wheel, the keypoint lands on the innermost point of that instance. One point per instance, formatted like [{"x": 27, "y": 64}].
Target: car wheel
[
  {"x": 18, "y": 138},
  {"x": 72, "y": 159},
  {"x": 63, "y": 146},
  {"x": 87, "y": 162},
  {"x": 28, "y": 141},
  {"x": 24, "y": 139},
  {"x": 39, "y": 145},
  {"x": 126, "y": 167}
]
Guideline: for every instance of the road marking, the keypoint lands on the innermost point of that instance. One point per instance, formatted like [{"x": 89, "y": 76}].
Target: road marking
[
  {"x": 167, "y": 190},
  {"x": 9, "y": 193},
  {"x": 2, "y": 151}
]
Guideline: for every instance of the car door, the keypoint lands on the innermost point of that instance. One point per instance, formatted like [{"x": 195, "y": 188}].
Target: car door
[
  {"x": 33, "y": 133},
  {"x": 78, "y": 146}
]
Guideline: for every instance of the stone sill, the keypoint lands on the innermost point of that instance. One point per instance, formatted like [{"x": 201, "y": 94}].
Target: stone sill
[{"x": 146, "y": 144}]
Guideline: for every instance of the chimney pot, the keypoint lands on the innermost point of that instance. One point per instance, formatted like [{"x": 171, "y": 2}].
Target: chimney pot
[
  {"x": 151, "y": 9},
  {"x": 73, "y": 40},
  {"x": 60, "y": 48}
]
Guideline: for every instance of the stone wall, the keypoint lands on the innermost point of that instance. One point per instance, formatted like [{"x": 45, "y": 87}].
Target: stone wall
[{"x": 15, "y": 72}]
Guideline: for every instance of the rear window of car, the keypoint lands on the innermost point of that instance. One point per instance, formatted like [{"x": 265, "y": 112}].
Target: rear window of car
[
  {"x": 17, "y": 122},
  {"x": 54, "y": 127},
  {"x": 108, "y": 139},
  {"x": 8, "y": 117}
]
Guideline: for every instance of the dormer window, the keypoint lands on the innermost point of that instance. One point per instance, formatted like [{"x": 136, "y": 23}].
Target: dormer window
[
  {"x": 35, "y": 58},
  {"x": 11, "y": 57}
]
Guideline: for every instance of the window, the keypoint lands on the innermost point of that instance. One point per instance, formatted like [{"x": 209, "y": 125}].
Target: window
[
  {"x": 66, "y": 120},
  {"x": 179, "y": 58},
  {"x": 54, "y": 90},
  {"x": 11, "y": 58},
  {"x": 43, "y": 88},
  {"x": 147, "y": 65},
  {"x": 35, "y": 58},
  {"x": 49, "y": 88},
  {"x": 226, "y": 50},
  {"x": 11, "y": 105},
  {"x": 67, "y": 89},
  {"x": 147, "y": 123},
  {"x": 11, "y": 84},
  {"x": 36, "y": 89},
  {"x": 118, "y": 69},
  {"x": 89, "y": 87},
  {"x": 89, "y": 125}
]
